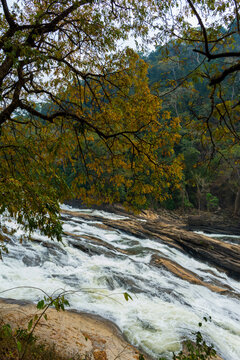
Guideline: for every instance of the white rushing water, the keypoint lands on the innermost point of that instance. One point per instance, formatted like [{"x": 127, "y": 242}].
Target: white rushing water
[{"x": 165, "y": 309}]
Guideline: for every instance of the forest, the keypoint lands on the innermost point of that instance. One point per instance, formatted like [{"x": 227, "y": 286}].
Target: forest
[
  {"x": 128, "y": 103},
  {"x": 82, "y": 117}
]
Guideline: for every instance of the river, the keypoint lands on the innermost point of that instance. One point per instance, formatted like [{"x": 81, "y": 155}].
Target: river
[{"x": 165, "y": 309}]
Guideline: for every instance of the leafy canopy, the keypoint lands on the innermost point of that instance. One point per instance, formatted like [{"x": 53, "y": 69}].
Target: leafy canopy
[
  {"x": 211, "y": 30},
  {"x": 76, "y": 113},
  {"x": 77, "y": 116}
]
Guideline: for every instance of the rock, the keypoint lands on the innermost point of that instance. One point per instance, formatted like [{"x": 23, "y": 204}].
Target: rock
[
  {"x": 32, "y": 261},
  {"x": 89, "y": 246},
  {"x": 185, "y": 274},
  {"x": 221, "y": 254},
  {"x": 99, "y": 354},
  {"x": 214, "y": 224},
  {"x": 73, "y": 333}
]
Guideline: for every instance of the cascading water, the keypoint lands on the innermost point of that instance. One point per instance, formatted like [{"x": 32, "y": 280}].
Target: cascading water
[{"x": 165, "y": 309}]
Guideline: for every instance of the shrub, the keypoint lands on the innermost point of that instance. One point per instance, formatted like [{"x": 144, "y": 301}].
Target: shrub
[{"x": 212, "y": 202}]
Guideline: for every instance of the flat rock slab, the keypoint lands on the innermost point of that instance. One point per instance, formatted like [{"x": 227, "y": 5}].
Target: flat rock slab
[{"x": 73, "y": 333}]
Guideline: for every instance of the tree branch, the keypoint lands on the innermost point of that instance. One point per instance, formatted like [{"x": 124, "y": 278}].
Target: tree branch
[
  {"x": 7, "y": 14},
  {"x": 219, "y": 78},
  {"x": 217, "y": 56},
  {"x": 40, "y": 29},
  {"x": 237, "y": 15},
  {"x": 201, "y": 25},
  {"x": 5, "y": 114}
]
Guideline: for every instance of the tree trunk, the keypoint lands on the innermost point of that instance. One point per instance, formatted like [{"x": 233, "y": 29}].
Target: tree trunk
[{"x": 237, "y": 203}]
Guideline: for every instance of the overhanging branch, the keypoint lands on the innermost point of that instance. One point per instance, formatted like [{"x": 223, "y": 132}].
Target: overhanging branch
[
  {"x": 7, "y": 14},
  {"x": 219, "y": 78}
]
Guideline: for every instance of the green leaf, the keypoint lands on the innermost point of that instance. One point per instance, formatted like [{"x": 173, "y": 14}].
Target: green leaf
[
  {"x": 7, "y": 329},
  {"x": 19, "y": 346},
  {"x": 127, "y": 296},
  {"x": 30, "y": 324},
  {"x": 40, "y": 305}
]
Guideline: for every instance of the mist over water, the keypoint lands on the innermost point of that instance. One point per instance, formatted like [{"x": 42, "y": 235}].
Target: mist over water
[{"x": 165, "y": 309}]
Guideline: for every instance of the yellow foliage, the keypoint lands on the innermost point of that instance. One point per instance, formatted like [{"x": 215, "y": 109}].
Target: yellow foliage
[{"x": 118, "y": 147}]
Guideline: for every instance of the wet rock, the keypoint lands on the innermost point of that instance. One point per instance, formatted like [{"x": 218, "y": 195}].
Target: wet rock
[
  {"x": 184, "y": 274},
  {"x": 71, "y": 280},
  {"x": 80, "y": 215},
  {"x": 32, "y": 261},
  {"x": 93, "y": 246},
  {"x": 128, "y": 282},
  {"x": 90, "y": 249},
  {"x": 101, "y": 226},
  {"x": 224, "y": 256},
  {"x": 230, "y": 240},
  {"x": 214, "y": 224}
]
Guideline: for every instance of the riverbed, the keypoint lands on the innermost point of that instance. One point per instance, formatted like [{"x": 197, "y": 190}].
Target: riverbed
[{"x": 164, "y": 309}]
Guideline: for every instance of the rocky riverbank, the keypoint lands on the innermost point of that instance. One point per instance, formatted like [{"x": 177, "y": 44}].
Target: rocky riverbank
[
  {"x": 214, "y": 224},
  {"x": 173, "y": 232},
  {"x": 221, "y": 222},
  {"x": 96, "y": 248},
  {"x": 72, "y": 333}
]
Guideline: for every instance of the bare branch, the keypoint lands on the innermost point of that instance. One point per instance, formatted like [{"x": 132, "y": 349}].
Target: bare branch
[
  {"x": 219, "y": 78},
  {"x": 237, "y": 15},
  {"x": 219, "y": 55},
  {"x": 7, "y": 14},
  {"x": 201, "y": 24}
]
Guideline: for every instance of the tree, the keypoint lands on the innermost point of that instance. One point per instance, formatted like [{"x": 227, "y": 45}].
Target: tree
[
  {"x": 195, "y": 70},
  {"x": 47, "y": 44},
  {"x": 70, "y": 99},
  {"x": 198, "y": 42},
  {"x": 215, "y": 36},
  {"x": 215, "y": 40}
]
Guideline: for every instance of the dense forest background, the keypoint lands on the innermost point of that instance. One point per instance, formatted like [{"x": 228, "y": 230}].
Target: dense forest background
[
  {"x": 210, "y": 160},
  {"x": 211, "y": 164},
  {"x": 83, "y": 117}
]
